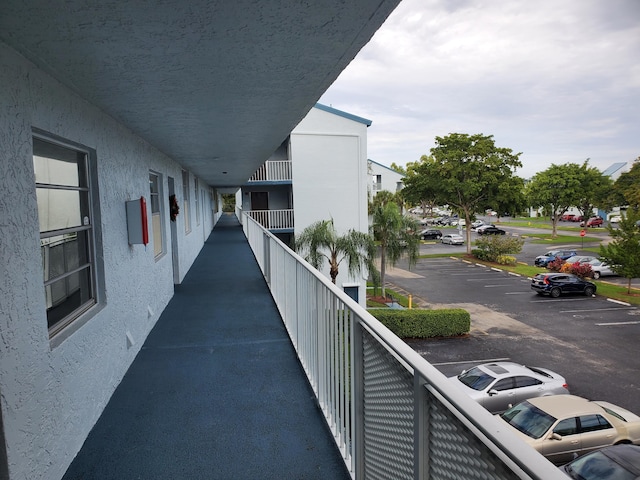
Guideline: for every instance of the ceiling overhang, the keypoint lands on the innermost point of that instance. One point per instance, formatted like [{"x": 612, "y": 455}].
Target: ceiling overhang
[{"x": 216, "y": 85}]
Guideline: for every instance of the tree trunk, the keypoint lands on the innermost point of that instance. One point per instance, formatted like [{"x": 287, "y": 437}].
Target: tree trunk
[{"x": 383, "y": 261}]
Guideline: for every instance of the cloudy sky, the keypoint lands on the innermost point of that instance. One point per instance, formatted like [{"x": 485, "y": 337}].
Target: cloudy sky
[{"x": 558, "y": 80}]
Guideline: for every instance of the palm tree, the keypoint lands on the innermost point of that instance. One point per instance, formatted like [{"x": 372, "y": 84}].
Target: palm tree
[
  {"x": 397, "y": 235},
  {"x": 320, "y": 241}
]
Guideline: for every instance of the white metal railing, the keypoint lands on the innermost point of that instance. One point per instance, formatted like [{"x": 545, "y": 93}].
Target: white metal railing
[
  {"x": 272, "y": 171},
  {"x": 273, "y": 219},
  {"x": 393, "y": 415}
]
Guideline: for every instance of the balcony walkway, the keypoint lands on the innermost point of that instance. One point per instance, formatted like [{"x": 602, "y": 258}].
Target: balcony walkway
[{"x": 216, "y": 391}]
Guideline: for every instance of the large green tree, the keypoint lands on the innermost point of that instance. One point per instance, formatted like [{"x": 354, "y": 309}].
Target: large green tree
[
  {"x": 468, "y": 172},
  {"x": 627, "y": 187},
  {"x": 623, "y": 252},
  {"x": 595, "y": 189},
  {"x": 396, "y": 234},
  {"x": 320, "y": 241},
  {"x": 555, "y": 189},
  {"x": 420, "y": 186}
]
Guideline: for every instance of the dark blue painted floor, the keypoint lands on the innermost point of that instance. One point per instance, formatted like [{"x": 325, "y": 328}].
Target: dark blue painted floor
[{"x": 216, "y": 391}]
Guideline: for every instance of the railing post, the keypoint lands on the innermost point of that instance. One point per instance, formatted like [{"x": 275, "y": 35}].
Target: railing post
[{"x": 266, "y": 251}]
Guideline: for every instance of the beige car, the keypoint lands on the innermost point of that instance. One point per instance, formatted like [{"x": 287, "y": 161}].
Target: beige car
[{"x": 562, "y": 427}]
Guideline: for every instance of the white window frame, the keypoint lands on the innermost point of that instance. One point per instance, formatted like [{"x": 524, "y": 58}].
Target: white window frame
[
  {"x": 157, "y": 214},
  {"x": 186, "y": 193},
  {"x": 196, "y": 194}
]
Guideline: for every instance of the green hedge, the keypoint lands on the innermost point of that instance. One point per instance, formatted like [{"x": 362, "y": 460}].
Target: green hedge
[{"x": 419, "y": 323}]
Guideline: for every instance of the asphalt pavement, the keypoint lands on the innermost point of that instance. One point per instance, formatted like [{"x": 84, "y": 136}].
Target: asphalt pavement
[{"x": 592, "y": 341}]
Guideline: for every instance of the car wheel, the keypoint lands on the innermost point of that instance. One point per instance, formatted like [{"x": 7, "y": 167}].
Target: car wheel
[
  {"x": 588, "y": 291},
  {"x": 596, "y": 275},
  {"x": 555, "y": 292}
]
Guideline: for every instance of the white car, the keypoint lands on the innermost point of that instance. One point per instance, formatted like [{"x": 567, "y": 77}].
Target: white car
[
  {"x": 476, "y": 223},
  {"x": 600, "y": 269},
  {"x": 499, "y": 385},
  {"x": 452, "y": 239},
  {"x": 615, "y": 219}
]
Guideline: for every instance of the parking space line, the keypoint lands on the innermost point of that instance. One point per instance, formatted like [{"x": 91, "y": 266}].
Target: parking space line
[
  {"x": 564, "y": 300},
  {"x": 487, "y": 360},
  {"x": 518, "y": 293},
  {"x": 617, "y": 323},
  {"x": 597, "y": 310},
  {"x": 503, "y": 285}
]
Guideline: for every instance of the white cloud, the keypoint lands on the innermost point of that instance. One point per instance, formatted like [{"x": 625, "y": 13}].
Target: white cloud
[{"x": 558, "y": 81}]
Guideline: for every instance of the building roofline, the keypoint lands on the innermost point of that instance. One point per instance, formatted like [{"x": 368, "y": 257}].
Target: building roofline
[
  {"x": 384, "y": 166},
  {"x": 340, "y": 113}
]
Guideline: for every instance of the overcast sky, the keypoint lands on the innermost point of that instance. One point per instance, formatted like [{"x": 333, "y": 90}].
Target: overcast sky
[{"x": 558, "y": 80}]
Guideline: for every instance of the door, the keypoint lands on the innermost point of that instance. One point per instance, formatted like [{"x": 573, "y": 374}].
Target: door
[
  {"x": 528, "y": 387},
  {"x": 175, "y": 257},
  {"x": 259, "y": 201},
  {"x": 500, "y": 396},
  {"x": 564, "y": 449}
]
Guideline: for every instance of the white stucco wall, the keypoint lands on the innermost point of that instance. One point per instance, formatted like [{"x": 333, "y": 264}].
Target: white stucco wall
[
  {"x": 329, "y": 162},
  {"x": 51, "y": 394},
  {"x": 389, "y": 178}
]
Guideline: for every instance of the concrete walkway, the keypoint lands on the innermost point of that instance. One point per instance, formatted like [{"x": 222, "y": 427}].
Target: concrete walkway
[{"x": 216, "y": 391}]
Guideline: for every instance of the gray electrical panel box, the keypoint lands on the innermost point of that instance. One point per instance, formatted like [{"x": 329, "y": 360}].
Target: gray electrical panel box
[{"x": 137, "y": 222}]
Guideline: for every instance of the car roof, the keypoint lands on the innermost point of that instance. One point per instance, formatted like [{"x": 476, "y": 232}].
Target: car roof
[
  {"x": 563, "y": 406},
  {"x": 627, "y": 455},
  {"x": 504, "y": 369}
]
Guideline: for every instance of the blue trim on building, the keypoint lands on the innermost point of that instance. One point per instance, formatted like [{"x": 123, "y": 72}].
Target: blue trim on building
[{"x": 340, "y": 113}]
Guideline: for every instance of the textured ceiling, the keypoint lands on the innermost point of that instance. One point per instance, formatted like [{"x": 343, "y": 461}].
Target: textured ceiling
[{"x": 216, "y": 85}]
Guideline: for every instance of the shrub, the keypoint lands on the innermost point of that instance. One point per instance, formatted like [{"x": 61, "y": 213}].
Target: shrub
[
  {"x": 419, "y": 323},
  {"x": 506, "y": 260},
  {"x": 491, "y": 247},
  {"x": 582, "y": 270},
  {"x": 555, "y": 265}
]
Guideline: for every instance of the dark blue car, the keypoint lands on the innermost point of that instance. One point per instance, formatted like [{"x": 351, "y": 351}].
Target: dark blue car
[{"x": 555, "y": 284}]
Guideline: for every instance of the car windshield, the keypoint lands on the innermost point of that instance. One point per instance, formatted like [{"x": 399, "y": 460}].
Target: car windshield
[
  {"x": 598, "y": 465},
  {"x": 476, "y": 378},
  {"x": 528, "y": 419}
]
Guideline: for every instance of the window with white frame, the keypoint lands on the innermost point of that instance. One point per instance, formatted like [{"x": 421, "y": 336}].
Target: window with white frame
[
  {"x": 196, "y": 195},
  {"x": 155, "y": 187},
  {"x": 65, "y": 186},
  {"x": 185, "y": 201}
]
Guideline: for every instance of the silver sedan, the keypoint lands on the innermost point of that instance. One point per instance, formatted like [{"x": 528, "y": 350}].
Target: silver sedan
[{"x": 496, "y": 386}]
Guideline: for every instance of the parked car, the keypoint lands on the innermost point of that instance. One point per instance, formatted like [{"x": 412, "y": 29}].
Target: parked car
[
  {"x": 617, "y": 462},
  {"x": 593, "y": 222},
  {"x": 555, "y": 284},
  {"x": 491, "y": 231},
  {"x": 562, "y": 426},
  {"x": 483, "y": 227},
  {"x": 580, "y": 259},
  {"x": 577, "y": 218},
  {"x": 567, "y": 217},
  {"x": 476, "y": 223},
  {"x": 430, "y": 234},
  {"x": 600, "y": 269},
  {"x": 615, "y": 219},
  {"x": 542, "y": 260},
  {"x": 497, "y": 386},
  {"x": 452, "y": 239}
]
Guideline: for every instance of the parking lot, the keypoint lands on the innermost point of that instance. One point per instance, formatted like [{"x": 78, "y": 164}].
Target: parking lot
[{"x": 591, "y": 341}]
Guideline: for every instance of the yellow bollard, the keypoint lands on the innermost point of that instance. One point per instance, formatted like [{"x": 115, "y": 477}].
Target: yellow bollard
[{"x": 410, "y": 298}]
